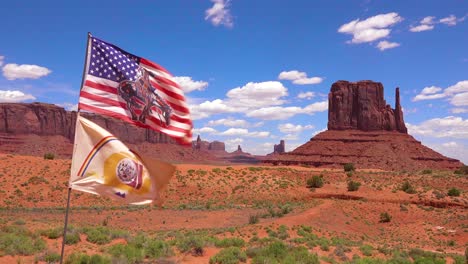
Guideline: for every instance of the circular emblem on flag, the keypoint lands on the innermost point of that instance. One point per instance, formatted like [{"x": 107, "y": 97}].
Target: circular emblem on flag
[{"x": 127, "y": 171}]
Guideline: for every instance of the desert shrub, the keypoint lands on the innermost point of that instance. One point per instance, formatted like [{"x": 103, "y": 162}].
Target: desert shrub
[
  {"x": 126, "y": 253},
  {"x": 253, "y": 219},
  {"x": 52, "y": 233},
  {"x": 453, "y": 192},
  {"x": 315, "y": 182},
  {"x": 353, "y": 186},
  {"x": 155, "y": 248},
  {"x": 52, "y": 257},
  {"x": 19, "y": 241},
  {"x": 462, "y": 170},
  {"x": 385, "y": 217},
  {"x": 72, "y": 237},
  {"x": 98, "y": 235},
  {"x": 230, "y": 242},
  {"x": 366, "y": 250},
  {"x": 426, "y": 257},
  {"x": 427, "y": 171},
  {"x": 407, "y": 188},
  {"x": 278, "y": 252},
  {"x": 49, "y": 156},
  {"x": 81, "y": 258},
  {"x": 191, "y": 242},
  {"x": 349, "y": 167},
  {"x": 231, "y": 255}
]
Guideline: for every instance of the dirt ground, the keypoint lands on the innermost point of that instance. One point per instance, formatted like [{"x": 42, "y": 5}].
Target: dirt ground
[{"x": 223, "y": 199}]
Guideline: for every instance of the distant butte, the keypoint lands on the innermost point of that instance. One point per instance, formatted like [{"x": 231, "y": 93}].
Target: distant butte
[{"x": 363, "y": 129}]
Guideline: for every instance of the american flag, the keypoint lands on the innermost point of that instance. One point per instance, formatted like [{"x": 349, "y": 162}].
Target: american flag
[{"x": 122, "y": 85}]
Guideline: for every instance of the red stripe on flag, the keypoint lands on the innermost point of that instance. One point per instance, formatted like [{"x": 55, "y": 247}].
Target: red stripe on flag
[
  {"x": 154, "y": 65},
  {"x": 102, "y": 87}
]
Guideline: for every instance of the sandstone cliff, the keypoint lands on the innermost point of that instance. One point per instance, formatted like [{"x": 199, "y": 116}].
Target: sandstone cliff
[{"x": 361, "y": 105}]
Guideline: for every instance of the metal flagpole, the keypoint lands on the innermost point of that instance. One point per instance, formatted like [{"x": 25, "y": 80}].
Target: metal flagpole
[
  {"x": 65, "y": 227},
  {"x": 74, "y": 149}
]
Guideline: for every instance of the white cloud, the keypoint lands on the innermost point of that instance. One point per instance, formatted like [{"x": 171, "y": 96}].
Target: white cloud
[
  {"x": 306, "y": 95},
  {"x": 14, "y": 96},
  {"x": 1, "y": 60},
  {"x": 298, "y": 77},
  {"x": 431, "y": 90},
  {"x": 460, "y": 99},
  {"x": 255, "y": 95},
  {"x": 244, "y": 132},
  {"x": 259, "y": 134},
  {"x": 421, "y": 28},
  {"x": 293, "y": 129},
  {"x": 275, "y": 112},
  {"x": 456, "y": 92},
  {"x": 208, "y": 108},
  {"x": 228, "y": 122},
  {"x": 452, "y": 149},
  {"x": 450, "y": 20},
  {"x": 219, "y": 14},
  {"x": 316, "y": 107},
  {"x": 69, "y": 106},
  {"x": 450, "y": 127},
  {"x": 459, "y": 110},
  {"x": 426, "y": 23},
  {"x": 189, "y": 85},
  {"x": 372, "y": 28},
  {"x": 205, "y": 130},
  {"x": 383, "y": 45},
  {"x": 13, "y": 71}
]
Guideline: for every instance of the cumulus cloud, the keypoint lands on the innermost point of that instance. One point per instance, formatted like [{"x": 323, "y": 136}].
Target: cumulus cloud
[
  {"x": 219, "y": 13},
  {"x": 231, "y": 144},
  {"x": 298, "y": 77},
  {"x": 14, "y": 96},
  {"x": 255, "y": 95},
  {"x": 306, "y": 95},
  {"x": 205, "y": 130},
  {"x": 453, "y": 149},
  {"x": 208, "y": 108},
  {"x": 1, "y": 60},
  {"x": 449, "y": 127},
  {"x": 244, "y": 132},
  {"x": 383, "y": 45},
  {"x": 228, "y": 122},
  {"x": 370, "y": 29},
  {"x": 459, "y": 110},
  {"x": 69, "y": 106},
  {"x": 13, "y": 71},
  {"x": 291, "y": 128},
  {"x": 457, "y": 93},
  {"x": 189, "y": 85},
  {"x": 281, "y": 113}
]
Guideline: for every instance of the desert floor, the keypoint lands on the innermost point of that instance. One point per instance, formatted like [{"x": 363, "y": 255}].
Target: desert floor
[{"x": 259, "y": 205}]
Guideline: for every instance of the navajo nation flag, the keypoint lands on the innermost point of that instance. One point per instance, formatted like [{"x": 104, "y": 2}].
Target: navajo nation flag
[
  {"x": 122, "y": 85},
  {"x": 103, "y": 165}
]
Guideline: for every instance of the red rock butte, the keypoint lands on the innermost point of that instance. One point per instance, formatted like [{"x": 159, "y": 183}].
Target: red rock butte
[{"x": 363, "y": 129}]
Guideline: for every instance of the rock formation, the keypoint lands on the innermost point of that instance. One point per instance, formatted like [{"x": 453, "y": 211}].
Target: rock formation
[
  {"x": 50, "y": 120},
  {"x": 364, "y": 130},
  {"x": 279, "y": 148},
  {"x": 361, "y": 105}
]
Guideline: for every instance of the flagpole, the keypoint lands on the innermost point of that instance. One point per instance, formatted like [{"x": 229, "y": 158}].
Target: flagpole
[
  {"x": 85, "y": 67},
  {"x": 65, "y": 227}
]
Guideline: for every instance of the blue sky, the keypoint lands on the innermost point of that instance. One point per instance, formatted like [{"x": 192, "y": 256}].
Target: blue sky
[{"x": 256, "y": 72}]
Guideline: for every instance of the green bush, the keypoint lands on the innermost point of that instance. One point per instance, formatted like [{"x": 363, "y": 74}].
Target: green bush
[
  {"x": 315, "y": 182},
  {"x": 155, "y": 248},
  {"x": 230, "y": 242},
  {"x": 366, "y": 250},
  {"x": 52, "y": 257},
  {"x": 81, "y": 258},
  {"x": 191, "y": 242},
  {"x": 72, "y": 237},
  {"x": 126, "y": 253},
  {"x": 49, "y": 156},
  {"x": 53, "y": 233},
  {"x": 349, "y": 167},
  {"x": 231, "y": 255},
  {"x": 462, "y": 170},
  {"x": 385, "y": 217},
  {"x": 407, "y": 188},
  {"x": 278, "y": 252},
  {"x": 98, "y": 235},
  {"x": 454, "y": 192},
  {"x": 353, "y": 186},
  {"x": 16, "y": 240}
]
